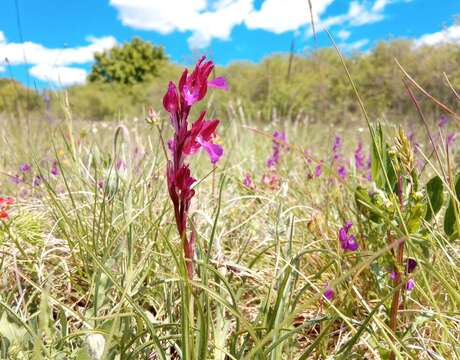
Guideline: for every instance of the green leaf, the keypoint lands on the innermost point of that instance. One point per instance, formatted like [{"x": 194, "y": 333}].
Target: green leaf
[
  {"x": 14, "y": 333},
  {"x": 365, "y": 205},
  {"x": 415, "y": 218},
  {"x": 435, "y": 197},
  {"x": 450, "y": 217},
  {"x": 376, "y": 166}
]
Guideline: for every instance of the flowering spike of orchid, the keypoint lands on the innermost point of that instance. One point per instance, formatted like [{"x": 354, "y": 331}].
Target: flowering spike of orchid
[
  {"x": 187, "y": 140},
  {"x": 279, "y": 142}
]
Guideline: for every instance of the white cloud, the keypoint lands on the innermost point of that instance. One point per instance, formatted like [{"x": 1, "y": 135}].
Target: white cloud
[
  {"x": 353, "y": 46},
  {"x": 51, "y": 64},
  {"x": 343, "y": 34},
  {"x": 450, "y": 34},
  {"x": 166, "y": 16},
  {"x": 280, "y": 16},
  {"x": 39, "y": 54},
  {"x": 60, "y": 75},
  {"x": 215, "y": 19},
  {"x": 359, "y": 13}
]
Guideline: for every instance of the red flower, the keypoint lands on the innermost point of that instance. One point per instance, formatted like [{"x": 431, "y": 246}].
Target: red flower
[{"x": 4, "y": 205}]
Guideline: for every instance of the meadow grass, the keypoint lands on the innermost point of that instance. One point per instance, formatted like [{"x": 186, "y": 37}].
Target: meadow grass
[{"x": 92, "y": 266}]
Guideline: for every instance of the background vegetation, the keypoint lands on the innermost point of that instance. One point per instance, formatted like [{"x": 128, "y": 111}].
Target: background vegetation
[{"x": 312, "y": 85}]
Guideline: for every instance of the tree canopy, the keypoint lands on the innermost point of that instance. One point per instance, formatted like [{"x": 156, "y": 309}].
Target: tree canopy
[{"x": 131, "y": 63}]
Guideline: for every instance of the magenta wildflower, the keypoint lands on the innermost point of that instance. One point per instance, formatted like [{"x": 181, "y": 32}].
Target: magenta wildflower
[
  {"x": 270, "y": 180},
  {"x": 24, "y": 168},
  {"x": 443, "y": 120},
  {"x": 348, "y": 242},
  {"x": 318, "y": 170},
  {"x": 120, "y": 165},
  {"x": 342, "y": 172},
  {"x": 329, "y": 293},
  {"x": 186, "y": 141},
  {"x": 37, "y": 181},
  {"x": 247, "y": 181},
  {"x": 393, "y": 275},
  {"x": 279, "y": 139},
  {"x": 16, "y": 179},
  {"x": 307, "y": 154},
  {"x": 336, "y": 147},
  {"x": 359, "y": 156},
  {"x": 54, "y": 169},
  {"x": 451, "y": 138}
]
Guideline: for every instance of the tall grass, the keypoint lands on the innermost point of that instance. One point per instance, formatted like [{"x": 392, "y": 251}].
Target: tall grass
[{"x": 92, "y": 267}]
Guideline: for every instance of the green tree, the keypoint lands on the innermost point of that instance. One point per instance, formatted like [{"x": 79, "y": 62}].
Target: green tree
[{"x": 132, "y": 63}]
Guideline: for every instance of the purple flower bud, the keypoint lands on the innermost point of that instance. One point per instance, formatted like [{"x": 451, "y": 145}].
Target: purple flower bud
[
  {"x": 443, "y": 120},
  {"x": 342, "y": 172},
  {"x": 352, "y": 245},
  {"x": 451, "y": 138},
  {"x": 16, "y": 179},
  {"x": 359, "y": 157},
  {"x": 393, "y": 276},
  {"x": 343, "y": 235},
  {"x": 318, "y": 170},
  {"x": 24, "y": 168},
  {"x": 410, "y": 284},
  {"x": 348, "y": 242},
  {"x": 329, "y": 293},
  {"x": 247, "y": 181},
  {"x": 54, "y": 169},
  {"x": 120, "y": 165},
  {"x": 171, "y": 99},
  {"x": 37, "y": 181},
  {"x": 411, "y": 264}
]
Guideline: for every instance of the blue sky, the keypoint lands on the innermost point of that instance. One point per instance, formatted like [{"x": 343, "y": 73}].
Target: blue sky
[{"x": 59, "y": 38}]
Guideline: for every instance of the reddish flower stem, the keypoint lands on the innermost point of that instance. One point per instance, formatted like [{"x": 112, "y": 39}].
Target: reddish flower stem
[{"x": 398, "y": 279}]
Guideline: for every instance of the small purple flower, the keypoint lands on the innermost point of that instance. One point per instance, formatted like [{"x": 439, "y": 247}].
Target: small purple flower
[
  {"x": 329, "y": 293},
  {"x": 307, "y": 154},
  {"x": 410, "y": 284},
  {"x": 348, "y": 242},
  {"x": 247, "y": 181},
  {"x": 54, "y": 169},
  {"x": 393, "y": 276},
  {"x": 279, "y": 138},
  {"x": 342, "y": 172},
  {"x": 24, "y": 168},
  {"x": 336, "y": 147},
  {"x": 318, "y": 170},
  {"x": 120, "y": 165},
  {"x": 443, "y": 120},
  {"x": 37, "y": 181},
  {"x": 359, "y": 156},
  {"x": 451, "y": 138},
  {"x": 16, "y": 179}
]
